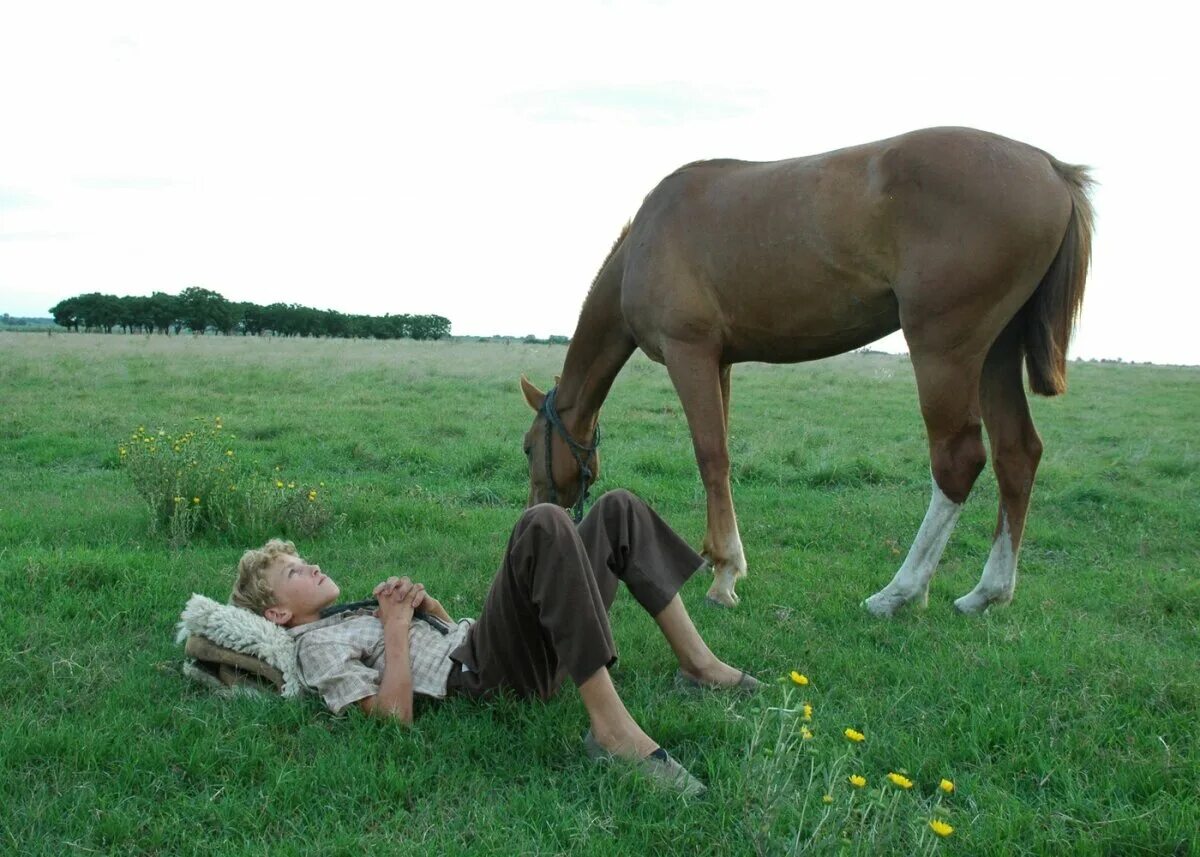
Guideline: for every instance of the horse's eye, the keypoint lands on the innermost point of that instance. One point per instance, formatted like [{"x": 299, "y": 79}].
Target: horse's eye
[{"x": 528, "y": 451}]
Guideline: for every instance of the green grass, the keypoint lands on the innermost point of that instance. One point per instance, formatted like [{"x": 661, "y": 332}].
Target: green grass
[{"x": 1067, "y": 721}]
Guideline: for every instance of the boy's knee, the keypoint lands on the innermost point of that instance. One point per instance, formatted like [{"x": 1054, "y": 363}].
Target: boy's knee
[
  {"x": 619, "y": 499},
  {"x": 547, "y": 516}
]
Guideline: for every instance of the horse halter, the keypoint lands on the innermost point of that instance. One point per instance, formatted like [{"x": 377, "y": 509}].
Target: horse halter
[{"x": 581, "y": 453}]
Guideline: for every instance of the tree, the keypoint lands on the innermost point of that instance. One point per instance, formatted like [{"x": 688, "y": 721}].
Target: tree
[
  {"x": 66, "y": 313},
  {"x": 164, "y": 311},
  {"x": 204, "y": 308},
  {"x": 134, "y": 314},
  {"x": 99, "y": 312}
]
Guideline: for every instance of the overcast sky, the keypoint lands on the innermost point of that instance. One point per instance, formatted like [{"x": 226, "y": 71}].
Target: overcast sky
[{"x": 477, "y": 161}]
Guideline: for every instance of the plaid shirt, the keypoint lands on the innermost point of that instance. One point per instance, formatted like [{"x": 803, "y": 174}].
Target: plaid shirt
[{"x": 342, "y": 657}]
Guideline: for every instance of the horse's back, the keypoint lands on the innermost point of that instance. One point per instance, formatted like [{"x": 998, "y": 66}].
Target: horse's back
[{"x": 800, "y": 258}]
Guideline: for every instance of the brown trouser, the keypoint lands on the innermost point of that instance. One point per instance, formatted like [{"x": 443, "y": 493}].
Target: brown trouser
[{"x": 546, "y": 615}]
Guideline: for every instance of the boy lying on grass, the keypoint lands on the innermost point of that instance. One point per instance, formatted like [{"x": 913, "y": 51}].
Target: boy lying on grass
[{"x": 546, "y": 617}]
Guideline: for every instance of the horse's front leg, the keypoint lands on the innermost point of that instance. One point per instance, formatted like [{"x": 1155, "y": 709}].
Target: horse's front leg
[{"x": 695, "y": 372}]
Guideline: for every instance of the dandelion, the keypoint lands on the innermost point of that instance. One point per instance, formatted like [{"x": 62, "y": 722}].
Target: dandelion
[
  {"x": 805, "y": 733},
  {"x": 161, "y": 432},
  {"x": 900, "y": 780},
  {"x": 278, "y": 484},
  {"x": 855, "y": 736},
  {"x": 291, "y": 485},
  {"x": 807, "y": 712},
  {"x": 947, "y": 786},
  {"x": 827, "y": 799},
  {"x": 322, "y": 484},
  {"x": 232, "y": 487},
  {"x": 229, "y": 452},
  {"x": 799, "y": 678},
  {"x": 312, "y": 495},
  {"x": 940, "y": 827},
  {"x": 122, "y": 450},
  {"x": 857, "y": 781},
  {"x": 277, "y": 468},
  {"x": 195, "y": 501}
]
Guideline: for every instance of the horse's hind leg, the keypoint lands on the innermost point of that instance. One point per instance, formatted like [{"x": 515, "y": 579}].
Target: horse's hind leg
[
  {"x": 949, "y": 393},
  {"x": 1016, "y": 451},
  {"x": 725, "y": 370}
]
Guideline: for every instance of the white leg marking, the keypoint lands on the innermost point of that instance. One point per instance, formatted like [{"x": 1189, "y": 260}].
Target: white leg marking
[
  {"x": 721, "y": 592},
  {"x": 911, "y": 582},
  {"x": 999, "y": 577},
  {"x": 725, "y": 575}
]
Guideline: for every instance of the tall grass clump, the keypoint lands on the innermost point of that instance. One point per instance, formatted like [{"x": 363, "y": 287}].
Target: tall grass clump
[
  {"x": 195, "y": 483},
  {"x": 818, "y": 793}
]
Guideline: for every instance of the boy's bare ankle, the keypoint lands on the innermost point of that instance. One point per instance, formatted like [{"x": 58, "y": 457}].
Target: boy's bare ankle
[
  {"x": 711, "y": 670},
  {"x": 699, "y": 665},
  {"x": 623, "y": 741}
]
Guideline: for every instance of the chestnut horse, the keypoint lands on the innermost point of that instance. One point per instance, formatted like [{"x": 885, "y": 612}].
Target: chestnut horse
[{"x": 976, "y": 246}]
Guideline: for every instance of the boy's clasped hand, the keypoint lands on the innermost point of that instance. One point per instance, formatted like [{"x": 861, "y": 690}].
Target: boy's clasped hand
[{"x": 400, "y": 596}]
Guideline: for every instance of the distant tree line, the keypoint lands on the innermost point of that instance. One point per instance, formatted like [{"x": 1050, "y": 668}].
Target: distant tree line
[{"x": 202, "y": 310}]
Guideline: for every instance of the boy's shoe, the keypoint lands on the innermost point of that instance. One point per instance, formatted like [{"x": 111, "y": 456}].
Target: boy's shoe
[
  {"x": 746, "y": 684},
  {"x": 658, "y": 767}
]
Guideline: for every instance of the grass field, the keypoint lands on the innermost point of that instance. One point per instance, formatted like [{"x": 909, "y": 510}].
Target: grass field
[{"x": 1068, "y": 721}]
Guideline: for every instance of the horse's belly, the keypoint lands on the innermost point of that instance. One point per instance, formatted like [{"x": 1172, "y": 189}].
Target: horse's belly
[{"x": 811, "y": 328}]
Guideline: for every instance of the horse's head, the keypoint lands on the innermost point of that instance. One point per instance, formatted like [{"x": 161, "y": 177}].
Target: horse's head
[{"x": 556, "y": 458}]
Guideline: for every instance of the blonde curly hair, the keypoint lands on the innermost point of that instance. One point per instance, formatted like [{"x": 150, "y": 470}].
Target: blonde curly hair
[{"x": 253, "y": 590}]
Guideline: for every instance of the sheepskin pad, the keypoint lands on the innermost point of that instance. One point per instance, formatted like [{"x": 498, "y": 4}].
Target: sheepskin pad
[{"x": 243, "y": 632}]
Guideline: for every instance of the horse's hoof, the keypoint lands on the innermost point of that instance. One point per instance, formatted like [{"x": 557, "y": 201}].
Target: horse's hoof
[
  {"x": 883, "y": 604},
  {"x": 976, "y": 603},
  {"x": 722, "y": 598}
]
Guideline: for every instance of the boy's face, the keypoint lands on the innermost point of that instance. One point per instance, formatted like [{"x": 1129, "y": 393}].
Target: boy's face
[{"x": 301, "y": 590}]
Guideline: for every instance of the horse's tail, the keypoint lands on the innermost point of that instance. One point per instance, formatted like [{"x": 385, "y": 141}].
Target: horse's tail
[{"x": 1051, "y": 313}]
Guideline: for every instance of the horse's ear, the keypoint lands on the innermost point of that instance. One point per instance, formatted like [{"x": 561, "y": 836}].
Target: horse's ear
[
  {"x": 532, "y": 394},
  {"x": 557, "y": 380}
]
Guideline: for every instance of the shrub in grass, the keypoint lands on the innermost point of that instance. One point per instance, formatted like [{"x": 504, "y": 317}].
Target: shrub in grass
[{"x": 195, "y": 483}]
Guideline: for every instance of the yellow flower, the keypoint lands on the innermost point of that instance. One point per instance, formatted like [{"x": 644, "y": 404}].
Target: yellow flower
[
  {"x": 122, "y": 450},
  {"x": 799, "y": 678},
  {"x": 277, "y": 468},
  {"x": 178, "y": 499},
  {"x": 195, "y": 501},
  {"x": 827, "y": 799},
  {"x": 175, "y": 447},
  {"x": 291, "y": 484},
  {"x": 807, "y": 711},
  {"x": 855, "y": 736},
  {"x": 278, "y": 484},
  {"x": 900, "y": 780},
  {"x": 322, "y": 484},
  {"x": 806, "y": 733},
  {"x": 312, "y": 495},
  {"x": 947, "y": 786},
  {"x": 229, "y": 452},
  {"x": 940, "y": 827},
  {"x": 857, "y": 781},
  {"x": 232, "y": 487}
]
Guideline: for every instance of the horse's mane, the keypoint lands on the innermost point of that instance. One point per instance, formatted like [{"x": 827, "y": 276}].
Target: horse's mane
[{"x": 608, "y": 258}]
